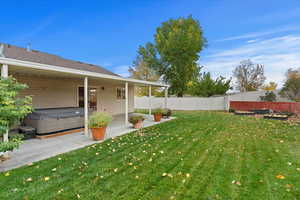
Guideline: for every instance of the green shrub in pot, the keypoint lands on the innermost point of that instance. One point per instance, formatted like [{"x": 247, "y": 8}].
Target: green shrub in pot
[
  {"x": 99, "y": 119},
  {"x": 136, "y": 121},
  {"x": 98, "y": 122},
  {"x": 158, "y": 112}
]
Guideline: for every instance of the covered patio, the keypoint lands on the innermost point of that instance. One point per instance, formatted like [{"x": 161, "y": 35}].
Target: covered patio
[
  {"x": 58, "y": 83},
  {"x": 56, "y": 86},
  {"x": 34, "y": 150}
]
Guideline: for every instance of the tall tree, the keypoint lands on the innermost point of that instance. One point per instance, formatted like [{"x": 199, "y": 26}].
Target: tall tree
[
  {"x": 271, "y": 86},
  {"x": 175, "y": 52},
  {"x": 143, "y": 70},
  {"x": 249, "y": 76},
  {"x": 205, "y": 86},
  {"x": 179, "y": 42},
  {"x": 291, "y": 87}
]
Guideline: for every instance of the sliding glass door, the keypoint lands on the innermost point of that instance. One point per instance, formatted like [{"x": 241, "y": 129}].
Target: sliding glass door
[{"x": 92, "y": 98}]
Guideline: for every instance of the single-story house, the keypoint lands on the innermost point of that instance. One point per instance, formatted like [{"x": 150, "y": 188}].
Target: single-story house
[{"x": 56, "y": 82}]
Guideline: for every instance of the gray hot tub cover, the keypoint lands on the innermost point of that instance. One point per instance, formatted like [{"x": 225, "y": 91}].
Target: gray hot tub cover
[{"x": 55, "y": 113}]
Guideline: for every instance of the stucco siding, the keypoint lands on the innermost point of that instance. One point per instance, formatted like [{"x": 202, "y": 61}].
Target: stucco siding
[
  {"x": 107, "y": 100},
  {"x": 55, "y": 93}
]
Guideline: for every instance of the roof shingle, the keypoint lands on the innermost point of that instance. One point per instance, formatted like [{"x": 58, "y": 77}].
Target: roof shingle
[{"x": 23, "y": 54}]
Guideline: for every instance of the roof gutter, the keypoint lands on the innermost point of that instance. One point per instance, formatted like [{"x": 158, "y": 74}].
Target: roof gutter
[{"x": 33, "y": 65}]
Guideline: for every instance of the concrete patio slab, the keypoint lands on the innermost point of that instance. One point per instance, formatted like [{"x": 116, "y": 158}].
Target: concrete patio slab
[{"x": 34, "y": 150}]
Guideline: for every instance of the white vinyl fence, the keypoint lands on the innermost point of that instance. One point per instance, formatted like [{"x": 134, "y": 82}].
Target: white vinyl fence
[
  {"x": 184, "y": 103},
  {"x": 200, "y": 103}
]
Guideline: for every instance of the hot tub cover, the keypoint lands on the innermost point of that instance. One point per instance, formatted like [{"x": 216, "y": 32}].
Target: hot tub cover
[{"x": 55, "y": 113}]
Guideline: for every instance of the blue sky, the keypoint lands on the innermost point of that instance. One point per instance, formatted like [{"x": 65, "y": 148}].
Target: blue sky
[{"x": 108, "y": 33}]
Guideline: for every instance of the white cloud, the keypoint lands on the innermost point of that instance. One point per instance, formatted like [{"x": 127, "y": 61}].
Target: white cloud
[
  {"x": 252, "y": 41},
  {"x": 260, "y": 34},
  {"x": 121, "y": 70},
  {"x": 276, "y": 54}
]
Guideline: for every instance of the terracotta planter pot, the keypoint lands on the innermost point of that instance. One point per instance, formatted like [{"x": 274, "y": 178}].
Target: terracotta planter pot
[
  {"x": 98, "y": 133},
  {"x": 157, "y": 117},
  {"x": 139, "y": 124}
]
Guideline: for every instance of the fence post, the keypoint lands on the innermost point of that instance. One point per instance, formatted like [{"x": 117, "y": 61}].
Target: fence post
[{"x": 226, "y": 102}]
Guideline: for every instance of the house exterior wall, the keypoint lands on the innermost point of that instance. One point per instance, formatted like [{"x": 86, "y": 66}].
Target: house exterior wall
[{"x": 56, "y": 93}]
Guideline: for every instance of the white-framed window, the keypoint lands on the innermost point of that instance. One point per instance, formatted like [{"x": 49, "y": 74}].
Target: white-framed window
[{"x": 120, "y": 93}]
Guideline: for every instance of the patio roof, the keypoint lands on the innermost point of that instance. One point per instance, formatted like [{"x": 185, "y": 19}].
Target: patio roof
[{"x": 35, "y": 60}]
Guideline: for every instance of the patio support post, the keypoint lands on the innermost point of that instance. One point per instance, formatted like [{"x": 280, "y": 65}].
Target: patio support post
[
  {"x": 86, "y": 107},
  {"x": 4, "y": 74},
  {"x": 150, "y": 100},
  {"x": 126, "y": 104},
  {"x": 166, "y": 97}
]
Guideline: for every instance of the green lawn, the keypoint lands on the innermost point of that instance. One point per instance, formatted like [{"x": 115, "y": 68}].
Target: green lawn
[{"x": 200, "y": 155}]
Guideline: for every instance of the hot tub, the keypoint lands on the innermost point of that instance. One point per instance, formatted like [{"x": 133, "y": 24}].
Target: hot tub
[{"x": 53, "y": 120}]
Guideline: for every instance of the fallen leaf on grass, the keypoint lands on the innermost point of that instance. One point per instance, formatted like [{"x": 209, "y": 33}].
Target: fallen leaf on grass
[
  {"x": 279, "y": 176},
  {"x": 236, "y": 182},
  {"x": 60, "y": 191},
  {"x": 29, "y": 179},
  {"x": 170, "y": 175}
]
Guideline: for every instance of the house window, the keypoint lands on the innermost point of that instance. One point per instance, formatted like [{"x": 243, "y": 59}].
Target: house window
[
  {"x": 92, "y": 98},
  {"x": 120, "y": 93}
]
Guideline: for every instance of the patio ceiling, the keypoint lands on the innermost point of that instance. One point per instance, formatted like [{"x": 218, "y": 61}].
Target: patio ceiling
[{"x": 23, "y": 71}]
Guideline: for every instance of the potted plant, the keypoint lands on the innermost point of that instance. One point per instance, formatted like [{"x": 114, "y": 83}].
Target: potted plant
[
  {"x": 98, "y": 122},
  {"x": 137, "y": 121},
  {"x": 157, "y": 113},
  {"x": 167, "y": 113}
]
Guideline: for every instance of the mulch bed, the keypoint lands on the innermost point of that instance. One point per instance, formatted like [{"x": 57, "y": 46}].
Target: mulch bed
[{"x": 293, "y": 119}]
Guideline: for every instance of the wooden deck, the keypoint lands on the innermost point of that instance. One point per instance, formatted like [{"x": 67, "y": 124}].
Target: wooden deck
[{"x": 60, "y": 133}]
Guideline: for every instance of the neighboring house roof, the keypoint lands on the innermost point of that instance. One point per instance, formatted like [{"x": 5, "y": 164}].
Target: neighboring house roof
[{"x": 18, "y": 53}]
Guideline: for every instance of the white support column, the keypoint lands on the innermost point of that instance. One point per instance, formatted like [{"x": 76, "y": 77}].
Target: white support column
[
  {"x": 4, "y": 71},
  {"x": 86, "y": 106},
  {"x": 166, "y": 97},
  {"x": 4, "y": 74},
  {"x": 126, "y": 104},
  {"x": 150, "y": 96}
]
